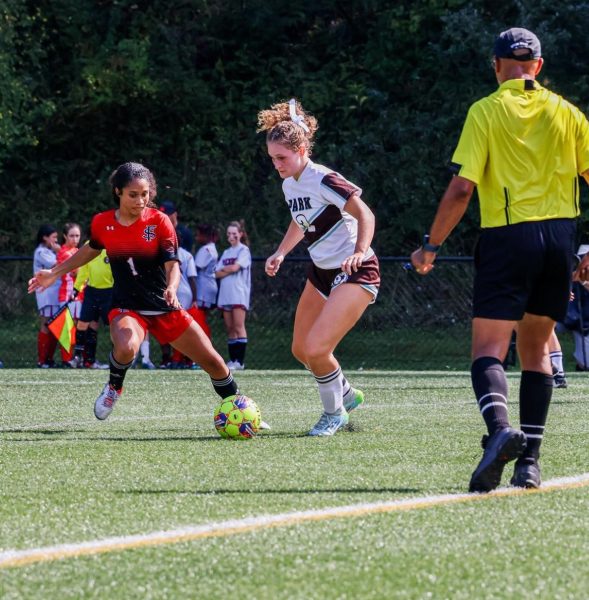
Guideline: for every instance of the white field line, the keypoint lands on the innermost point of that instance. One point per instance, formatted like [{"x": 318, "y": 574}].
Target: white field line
[{"x": 20, "y": 558}]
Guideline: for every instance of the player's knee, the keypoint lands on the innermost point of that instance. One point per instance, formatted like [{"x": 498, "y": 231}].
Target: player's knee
[
  {"x": 298, "y": 353},
  {"x": 315, "y": 349}
]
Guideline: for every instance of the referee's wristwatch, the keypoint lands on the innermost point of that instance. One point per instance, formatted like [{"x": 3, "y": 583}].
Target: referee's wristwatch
[{"x": 427, "y": 247}]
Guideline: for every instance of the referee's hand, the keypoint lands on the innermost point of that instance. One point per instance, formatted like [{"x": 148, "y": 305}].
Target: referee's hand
[{"x": 423, "y": 261}]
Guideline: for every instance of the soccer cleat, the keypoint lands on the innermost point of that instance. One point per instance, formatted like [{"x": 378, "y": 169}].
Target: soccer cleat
[
  {"x": 264, "y": 425},
  {"x": 504, "y": 445},
  {"x": 357, "y": 399},
  {"x": 526, "y": 473},
  {"x": 105, "y": 402},
  {"x": 97, "y": 365},
  {"x": 329, "y": 424},
  {"x": 236, "y": 366},
  {"x": 76, "y": 362},
  {"x": 558, "y": 378},
  {"x": 147, "y": 364}
]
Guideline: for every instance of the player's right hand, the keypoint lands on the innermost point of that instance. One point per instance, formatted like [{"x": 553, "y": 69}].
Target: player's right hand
[
  {"x": 41, "y": 280},
  {"x": 273, "y": 263}
]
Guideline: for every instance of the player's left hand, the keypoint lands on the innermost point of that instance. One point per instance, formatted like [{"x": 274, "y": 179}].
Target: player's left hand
[
  {"x": 171, "y": 298},
  {"x": 422, "y": 261},
  {"x": 352, "y": 263}
]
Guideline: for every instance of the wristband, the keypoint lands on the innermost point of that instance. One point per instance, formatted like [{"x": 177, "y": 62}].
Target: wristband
[{"x": 427, "y": 247}]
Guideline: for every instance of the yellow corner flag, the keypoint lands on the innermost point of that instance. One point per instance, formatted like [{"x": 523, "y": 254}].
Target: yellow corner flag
[{"x": 62, "y": 326}]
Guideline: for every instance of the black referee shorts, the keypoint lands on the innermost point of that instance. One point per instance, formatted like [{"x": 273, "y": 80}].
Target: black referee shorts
[{"x": 522, "y": 268}]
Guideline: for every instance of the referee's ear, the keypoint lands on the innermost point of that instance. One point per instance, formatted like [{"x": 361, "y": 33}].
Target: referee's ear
[{"x": 539, "y": 65}]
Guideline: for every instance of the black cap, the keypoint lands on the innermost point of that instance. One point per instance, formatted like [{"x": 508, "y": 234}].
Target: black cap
[
  {"x": 518, "y": 44},
  {"x": 168, "y": 207}
]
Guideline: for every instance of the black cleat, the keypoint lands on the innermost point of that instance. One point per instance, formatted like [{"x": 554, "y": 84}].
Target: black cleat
[
  {"x": 526, "y": 473},
  {"x": 559, "y": 379},
  {"x": 504, "y": 445}
]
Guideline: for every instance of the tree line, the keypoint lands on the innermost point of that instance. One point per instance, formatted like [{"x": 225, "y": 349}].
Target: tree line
[{"x": 177, "y": 84}]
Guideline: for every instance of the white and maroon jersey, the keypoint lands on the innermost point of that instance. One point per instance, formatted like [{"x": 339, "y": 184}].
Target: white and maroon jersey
[
  {"x": 316, "y": 202},
  {"x": 187, "y": 270},
  {"x": 236, "y": 288},
  {"x": 206, "y": 284},
  {"x": 137, "y": 255},
  {"x": 45, "y": 258}
]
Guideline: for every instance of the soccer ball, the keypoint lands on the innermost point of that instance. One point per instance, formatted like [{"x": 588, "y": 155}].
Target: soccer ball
[{"x": 237, "y": 418}]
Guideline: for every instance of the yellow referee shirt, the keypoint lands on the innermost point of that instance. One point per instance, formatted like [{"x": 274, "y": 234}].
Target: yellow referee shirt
[
  {"x": 97, "y": 273},
  {"x": 523, "y": 146}
]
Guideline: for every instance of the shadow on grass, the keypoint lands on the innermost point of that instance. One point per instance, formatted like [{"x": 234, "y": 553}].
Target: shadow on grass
[
  {"x": 60, "y": 435},
  {"x": 388, "y": 490}
]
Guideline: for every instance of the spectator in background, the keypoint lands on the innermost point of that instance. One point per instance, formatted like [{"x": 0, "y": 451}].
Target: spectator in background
[
  {"x": 71, "y": 240},
  {"x": 45, "y": 257},
  {"x": 233, "y": 271},
  {"x": 577, "y": 318},
  {"x": 205, "y": 261},
  {"x": 185, "y": 237},
  {"x": 95, "y": 280}
]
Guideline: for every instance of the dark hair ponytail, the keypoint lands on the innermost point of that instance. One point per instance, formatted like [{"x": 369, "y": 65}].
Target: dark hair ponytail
[
  {"x": 208, "y": 231},
  {"x": 44, "y": 231},
  {"x": 123, "y": 175}
]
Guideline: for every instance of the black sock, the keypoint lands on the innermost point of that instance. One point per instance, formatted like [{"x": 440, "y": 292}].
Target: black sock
[
  {"x": 225, "y": 387},
  {"x": 535, "y": 393},
  {"x": 166, "y": 353},
  {"x": 240, "y": 346},
  {"x": 91, "y": 343},
  {"x": 80, "y": 343},
  {"x": 490, "y": 388},
  {"x": 117, "y": 372},
  {"x": 231, "y": 349}
]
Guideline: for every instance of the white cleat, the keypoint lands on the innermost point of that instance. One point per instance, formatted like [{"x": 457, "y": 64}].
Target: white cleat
[
  {"x": 105, "y": 402},
  {"x": 264, "y": 425},
  {"x": 329, "y": 424},
  {"x": 98, "y": 365}
]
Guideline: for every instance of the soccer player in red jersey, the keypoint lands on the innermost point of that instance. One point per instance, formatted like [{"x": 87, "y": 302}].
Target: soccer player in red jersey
[{"x": 142, "y": 247}]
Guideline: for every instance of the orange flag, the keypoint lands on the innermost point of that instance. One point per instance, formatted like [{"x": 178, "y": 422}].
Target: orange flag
[{"x": 62, "y": 326}]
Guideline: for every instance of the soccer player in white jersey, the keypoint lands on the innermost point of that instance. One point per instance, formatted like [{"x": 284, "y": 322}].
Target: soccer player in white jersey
[
  {"x": 343, "y": 279},
  {"x": 234, "y": 273}
]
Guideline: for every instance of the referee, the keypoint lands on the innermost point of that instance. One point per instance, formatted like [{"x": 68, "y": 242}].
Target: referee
[{"x": 523, "y": 147}]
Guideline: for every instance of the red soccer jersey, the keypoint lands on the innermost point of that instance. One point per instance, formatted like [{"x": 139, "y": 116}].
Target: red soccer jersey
[{"x": 137, "y": 254}]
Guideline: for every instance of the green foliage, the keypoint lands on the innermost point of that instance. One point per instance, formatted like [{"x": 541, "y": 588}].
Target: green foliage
[{"x": 177, "y": 85}]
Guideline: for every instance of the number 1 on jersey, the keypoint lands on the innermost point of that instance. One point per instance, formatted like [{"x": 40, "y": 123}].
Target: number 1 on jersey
[{"x": 132, "y": 265}]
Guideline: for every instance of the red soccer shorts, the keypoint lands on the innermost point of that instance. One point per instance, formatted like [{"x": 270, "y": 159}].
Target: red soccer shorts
[{"x": 166, "y": 327}]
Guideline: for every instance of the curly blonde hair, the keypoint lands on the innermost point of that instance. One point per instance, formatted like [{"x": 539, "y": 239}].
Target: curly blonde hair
[{"x": 283, "y": 130}]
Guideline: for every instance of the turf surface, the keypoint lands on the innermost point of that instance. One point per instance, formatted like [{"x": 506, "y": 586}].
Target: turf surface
[{"x": 157, "y": 464}]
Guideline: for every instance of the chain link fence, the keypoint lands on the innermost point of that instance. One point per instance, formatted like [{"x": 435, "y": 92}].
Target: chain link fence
[{"x": 416, "y": 323}]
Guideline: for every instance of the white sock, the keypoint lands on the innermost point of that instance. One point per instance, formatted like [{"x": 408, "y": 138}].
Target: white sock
[
  {"x": 556, "y": 360},
  {"x": 347, "y": 390},
  {"x": 331, "y": 392},
  {"x": 144, "y": 349}
]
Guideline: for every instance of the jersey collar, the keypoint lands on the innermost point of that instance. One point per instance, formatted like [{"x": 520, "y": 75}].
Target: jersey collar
[{"x": 522, "y": 85}]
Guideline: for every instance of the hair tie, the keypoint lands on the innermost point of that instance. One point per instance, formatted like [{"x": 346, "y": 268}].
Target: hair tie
[{"x": 296, "y": 119}]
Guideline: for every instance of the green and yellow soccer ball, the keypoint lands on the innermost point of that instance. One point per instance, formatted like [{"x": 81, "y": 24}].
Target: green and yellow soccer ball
[{"x": 237, "y": 418}]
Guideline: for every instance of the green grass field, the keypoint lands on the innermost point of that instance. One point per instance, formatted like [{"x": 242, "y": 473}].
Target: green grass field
[{"x": 158, "y": 465}]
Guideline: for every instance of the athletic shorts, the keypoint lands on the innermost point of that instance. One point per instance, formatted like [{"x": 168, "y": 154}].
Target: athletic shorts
[
  {"x": 48, "y": 310},
  {"x": 97, "y": 303},
  {"x": 525, "y": 267},
  {"x": 230, "y": 307},
  {"x": 326, "y": 280},
  {"x": 166, "y": 327}
]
